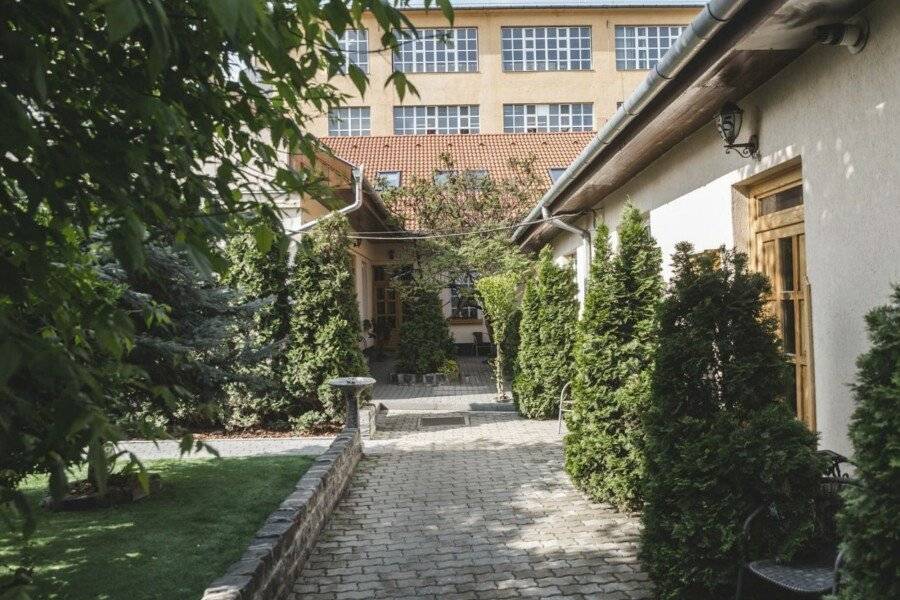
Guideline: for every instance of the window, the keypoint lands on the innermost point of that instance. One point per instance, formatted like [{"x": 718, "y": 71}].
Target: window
[
  {"x": 556, "y": 173},
  {"x": 349, "y": 121},
  {"x": 546, "y": 48},
  {"x": 385, "y": 180},
  {"x": 438, "y": 51},
  {"x": 355, "y": 46},
  {"x": 641, "y": 46},
  {"x": 417, "y": 120},
  {"x": 462, "y": 300},
  {"x": 530, "y": 118},
  {"x": 442, "y": 177},
  {"x": 476, "y": 176}
]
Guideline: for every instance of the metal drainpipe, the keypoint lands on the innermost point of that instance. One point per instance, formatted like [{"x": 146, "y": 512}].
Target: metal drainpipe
[
  {"x": 357, "y": 202},
  {"x": 585, "y": 243}
]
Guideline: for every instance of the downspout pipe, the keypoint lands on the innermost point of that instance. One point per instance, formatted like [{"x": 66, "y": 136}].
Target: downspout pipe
[
  {"x": 560, "y": 224},
  {"x": 357, "y": 201},
  {"x": 704, "y": 26},
  {"x": 582, "y": 270}
]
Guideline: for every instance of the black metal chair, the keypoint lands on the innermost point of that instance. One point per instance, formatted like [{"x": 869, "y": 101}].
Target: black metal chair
[{"x": 815, "y": 576}]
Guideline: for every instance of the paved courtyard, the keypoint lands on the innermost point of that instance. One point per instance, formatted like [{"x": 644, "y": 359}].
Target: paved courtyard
[{"x": 479, "y": 508}]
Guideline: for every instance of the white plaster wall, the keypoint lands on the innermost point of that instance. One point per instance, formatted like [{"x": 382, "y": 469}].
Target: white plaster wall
[{"x": 840, "y": 114}]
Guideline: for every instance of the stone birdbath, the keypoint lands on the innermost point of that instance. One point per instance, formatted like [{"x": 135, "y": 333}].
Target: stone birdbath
[{"x": 350, "y": 388}]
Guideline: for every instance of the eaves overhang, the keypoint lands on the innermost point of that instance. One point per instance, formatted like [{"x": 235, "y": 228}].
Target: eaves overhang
[{"x": 729, "y": 50}]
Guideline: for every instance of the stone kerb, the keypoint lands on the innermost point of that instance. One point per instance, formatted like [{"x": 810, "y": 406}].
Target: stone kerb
[{"x": 277, "y": 553}]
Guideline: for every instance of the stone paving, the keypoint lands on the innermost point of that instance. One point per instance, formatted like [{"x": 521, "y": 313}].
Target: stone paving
[{"x": 477, "y": 510}]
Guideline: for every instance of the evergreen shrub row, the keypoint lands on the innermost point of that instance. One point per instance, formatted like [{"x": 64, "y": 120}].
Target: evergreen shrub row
[
  {"x": 614, "y": 355},
  {"x": 547, "y": 335}
]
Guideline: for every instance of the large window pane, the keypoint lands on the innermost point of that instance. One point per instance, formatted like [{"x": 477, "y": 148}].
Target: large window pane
[
  {"x": 418, "y": 120},
  {"x": 531, "y": 118},
  {"x": 355, "y": 46},
  {"x": 349, "y": 121},
  {"x": 437, "y": 51},
  {"x": 641, "y": 46},
  {"x": 546, "y": 48}
]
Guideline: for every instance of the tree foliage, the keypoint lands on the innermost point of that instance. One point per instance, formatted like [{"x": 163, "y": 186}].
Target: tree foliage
[
  {"x": 613, "y": 364},
  {"x": 260, "y": 275},
  {"x": 325, "y": 328},
  {"x": 425, "y": 343},
  {"x": 472, "y": 212},
  {"x": 721, "y": 439},
  {"x": 869, "y": 523},
  {"x": 547, "y": 335},
  {"x": 129, "y": 121},
  {"x": 499, "y": 298}
]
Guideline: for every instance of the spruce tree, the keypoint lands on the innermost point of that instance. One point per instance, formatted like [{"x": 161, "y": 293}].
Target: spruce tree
[
  {"x": 325, "y": 329},
  {"x": 547, "y": 333},
  {"x": 720, "y": 437},
  {"x": 258, "y": 268},
  {"x": 869, "y": 524},
  {"x": 613, "y": 364}
]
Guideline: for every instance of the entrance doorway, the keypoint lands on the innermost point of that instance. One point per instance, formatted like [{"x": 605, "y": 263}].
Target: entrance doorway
[
  {"x": 778, "y": 249},
  {"x": 388, "y": 313}
]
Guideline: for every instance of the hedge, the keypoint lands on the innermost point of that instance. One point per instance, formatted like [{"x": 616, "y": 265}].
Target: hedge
[
  {"x": 870, "y": 521},
  {"x": 547, "y": 334},
  {"x": 425, "y": 342},
  {"x": 721, "y": 439}
]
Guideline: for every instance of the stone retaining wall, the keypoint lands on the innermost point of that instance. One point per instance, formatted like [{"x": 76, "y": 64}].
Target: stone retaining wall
[{"x": 278, "y": 551}]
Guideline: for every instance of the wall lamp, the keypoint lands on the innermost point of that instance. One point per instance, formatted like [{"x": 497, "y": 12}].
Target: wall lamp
[{"x": 728, "y": 122}]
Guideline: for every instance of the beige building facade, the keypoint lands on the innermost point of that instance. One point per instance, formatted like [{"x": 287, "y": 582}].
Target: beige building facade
[
  {"x": 817, "y": 209},
  {"x": 541, "y": 53}
]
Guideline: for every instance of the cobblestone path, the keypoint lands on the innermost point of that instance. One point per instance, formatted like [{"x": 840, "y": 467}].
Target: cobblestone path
[{"x": 481, "y": 509}]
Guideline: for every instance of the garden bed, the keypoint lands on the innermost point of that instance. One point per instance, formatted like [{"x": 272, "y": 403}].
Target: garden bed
[{"x": 169, "y": 545}]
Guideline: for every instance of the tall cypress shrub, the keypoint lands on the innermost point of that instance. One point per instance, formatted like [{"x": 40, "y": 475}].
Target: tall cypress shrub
[
  {"x": 425, "y": 341},
  {"x": 258, "y": 269},
  {"x": 613, "y": 365},
  {"x": 721, "y": 439},
  {"x": 869, "y": 523},
  {"x": 547, "y": 333},
  {"x": 325, "y": 328}
]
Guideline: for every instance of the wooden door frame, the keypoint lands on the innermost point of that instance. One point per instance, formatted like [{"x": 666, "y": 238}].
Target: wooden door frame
[{"x": 791, "y": 222}]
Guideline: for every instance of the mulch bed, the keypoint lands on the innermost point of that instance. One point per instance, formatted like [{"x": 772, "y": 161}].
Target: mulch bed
[{"x": 246, "y": 434}]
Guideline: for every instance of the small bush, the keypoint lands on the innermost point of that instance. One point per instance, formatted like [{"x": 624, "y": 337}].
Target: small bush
[
  {"x": 721, "y": 439},
  {"x": 870, "y": 521},
  {"x": 425, "y": 342},
  {"x": 547, "y": 334},
  {"x": 613, "y": 363},
  {"x": 312, "y": 422}
]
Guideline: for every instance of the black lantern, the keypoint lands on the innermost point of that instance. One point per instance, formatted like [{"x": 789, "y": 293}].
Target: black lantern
[{"x": 728, "y": 122}]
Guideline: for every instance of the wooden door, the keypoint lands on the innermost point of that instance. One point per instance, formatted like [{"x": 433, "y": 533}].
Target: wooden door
[
  {"x": 779, "y": 251},
  {"x": 387, "y": 305}
]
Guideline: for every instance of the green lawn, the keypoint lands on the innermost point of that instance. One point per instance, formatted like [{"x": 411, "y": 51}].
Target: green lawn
[{"x": 171, "y": 545}]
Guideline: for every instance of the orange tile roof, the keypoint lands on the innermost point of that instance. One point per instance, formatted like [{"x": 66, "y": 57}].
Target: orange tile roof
[{"x": 418, "y": 156}]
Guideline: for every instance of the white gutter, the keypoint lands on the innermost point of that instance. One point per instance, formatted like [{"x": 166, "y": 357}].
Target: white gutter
[
  {"x": 704, "y": 26},
  {"x": 357, "y": 201}
]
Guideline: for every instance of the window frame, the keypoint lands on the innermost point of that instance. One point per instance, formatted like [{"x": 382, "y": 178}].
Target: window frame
[
  {"x": 641, "y": 33},
  {"x": 423, "y": 53},
  {"x": 382, "y": 176},
  {"x": 531, "y": 40},
  {"x": 543, "y": 117},
  {"x": 437, "y": 119},
  {"x": 344, "y": 42},
  {"x": 363, "y": 131}
]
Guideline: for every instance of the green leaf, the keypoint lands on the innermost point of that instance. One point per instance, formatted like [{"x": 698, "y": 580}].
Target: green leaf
[
  {"x": 227, "y": 13},
  {"x": 264, "y": 237},
  {"x": 447, "y": 9},
  {"x": 122, "y": 17},
  {"x": 358, "y": 77}
]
